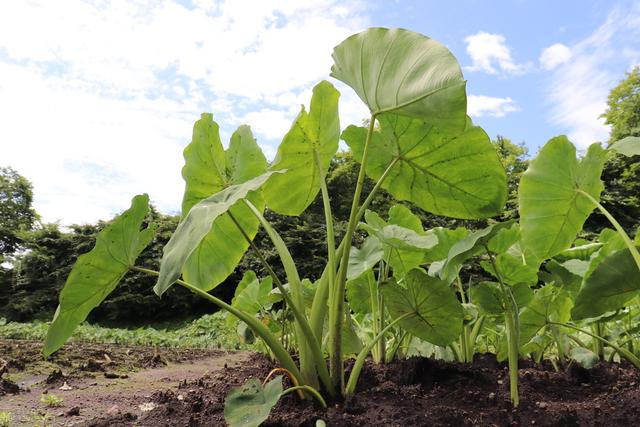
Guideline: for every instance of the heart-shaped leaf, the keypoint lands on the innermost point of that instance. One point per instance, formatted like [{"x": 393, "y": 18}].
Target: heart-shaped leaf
[
  {"x": 251, "y": 295},
  {"x": 552, "y": 206},
  {"x": 208, "y": 170},
  {"x": 629, "y": 146},
  {"x": 549, "y": 303},
  {"x": 363, "y": 259},
  {"x": 197, "y": 225},
  {"x": 313, "y": 137},
  {"x": 434, "y": 313},
  {"x": 405, "y": 72},
  {"x": 458, "y": 176},
  {"x": 250, "y": 404},
  {"x": 359, "y": 290},
  {"x": 613, "y": 283},
  {"x": 473, "y": 244},
  {"x": 97, "y": 273}
]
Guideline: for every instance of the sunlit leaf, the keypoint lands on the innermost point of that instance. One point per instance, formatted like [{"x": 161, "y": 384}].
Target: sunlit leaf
[
  {"x": 312, "y": 134},
  {"x": 552, "y": 207},
  {"x": 97, "y": 273},
  {"x": 406, "y": 72},
  {"x": 363, "y": 259},
  {"x": 208, "y": 170},
  {"x": 435, "y": 314},
  {"x": 197, "y": 225},
  {"x": 613, "y": 283},
  {"x": 629, "y": 146},
  {"x": 457, "y": 176}
]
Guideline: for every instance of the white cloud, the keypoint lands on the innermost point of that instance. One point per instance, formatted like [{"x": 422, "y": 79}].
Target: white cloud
[
  {"x": 479, "y": 106},
  {"x": 554, "y": 55},
  {"x": 578, "y": 90},
  {"x": 98, "y": 98},
  {"x": 490, "y": 53}
]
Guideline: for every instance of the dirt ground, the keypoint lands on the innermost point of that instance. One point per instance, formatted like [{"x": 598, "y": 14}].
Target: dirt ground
[
  {"x": 105, "y": 381},
  {"x": 171, "y": 387}
]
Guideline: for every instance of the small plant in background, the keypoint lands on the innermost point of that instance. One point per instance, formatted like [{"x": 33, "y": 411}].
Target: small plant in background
[
  {"x": 51, "y": 400},
  {"x": 5, "y": 419}
]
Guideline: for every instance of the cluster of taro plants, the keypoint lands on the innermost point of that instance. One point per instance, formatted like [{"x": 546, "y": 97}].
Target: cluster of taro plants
[{"x": 400, "y": 292}]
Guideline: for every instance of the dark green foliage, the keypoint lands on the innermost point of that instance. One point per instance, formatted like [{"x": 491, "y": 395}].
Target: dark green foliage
[
  {"x": 621, "y": 174},
  {"x": 30, "y": 290},
  {"x": 513, "y": 157},
  {"x": 16, "y": 213}
]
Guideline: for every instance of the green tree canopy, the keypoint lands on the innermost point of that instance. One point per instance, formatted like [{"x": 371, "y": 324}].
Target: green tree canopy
[
  {"x": 623, "y": 107},
  {"x": 621, "y": 174},
  {"x": 16, "y": 212}
]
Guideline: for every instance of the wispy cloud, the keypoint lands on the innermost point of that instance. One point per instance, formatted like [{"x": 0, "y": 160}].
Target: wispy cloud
[
  {"x": 111, "y": 89},
  {"x": 489, "y": 53},
  {"x": 579, "y": 88},
  {"x": 479, "y": 106}
]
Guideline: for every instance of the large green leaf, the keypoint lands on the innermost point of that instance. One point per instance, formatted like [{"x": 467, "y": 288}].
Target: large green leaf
[
  {"x": 204, "y": 167},
  {"x": 473, "y": 244},
  {"x": 552, "y": 209},
  {"x": 358, "y": 292},
  {"x": 613, "y": 283},
  {"x": 250, "y": 404},
  {"x": 435, "y": 314},
  {"x": 458, "y": 176},
  {"x": 548, "y": 304},
  {"x": 405, "y": 72},
  {"x": 97, "y": 273},
  {"x": 629, "y": 146},
  {"x": 208, "y": 170},
  {"x": 363, "y": 259},
  {"x": 197, "y": 225},
  {"x": 251, "y": 295},
  {"x": 490, "y": 298},
  {"x": 446, "y": 239},
  {"x": 404, "y": 248},
  {"x": 312, "y": 135},
  {"x": 511, "y": 270}
]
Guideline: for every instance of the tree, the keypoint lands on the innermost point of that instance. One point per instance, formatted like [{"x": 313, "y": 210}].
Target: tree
[
  {"x": 623, "y": 107},
  {"x": 16, "y": 212},
  {"x": 621, "y": 174},
  {"x": 513, "y": 157}
]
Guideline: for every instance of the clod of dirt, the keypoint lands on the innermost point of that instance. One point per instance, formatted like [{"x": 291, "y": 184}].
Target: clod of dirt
[
  {"x": 155, "y": 360},
  {"x": 56, "y": 377},
  {"x": 73, "y": 412},
  {"x": 113, "y": 375},
  {"x": 93, "y": 365},
  {"x": 8, "y": 387}
]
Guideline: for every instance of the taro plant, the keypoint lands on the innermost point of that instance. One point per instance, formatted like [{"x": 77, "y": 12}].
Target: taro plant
[
  {"x": 557, "y": 193},
  {"x": 419, "y": 145}
]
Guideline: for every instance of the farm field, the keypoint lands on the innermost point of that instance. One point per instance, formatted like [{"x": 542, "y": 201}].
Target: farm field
[
  {"x": 400, "y": 269},
  {"x": 149, "y": 386}
]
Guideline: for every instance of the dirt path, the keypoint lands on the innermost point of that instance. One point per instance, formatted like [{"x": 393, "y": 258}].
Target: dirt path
[{"x": 109, "y": 390}]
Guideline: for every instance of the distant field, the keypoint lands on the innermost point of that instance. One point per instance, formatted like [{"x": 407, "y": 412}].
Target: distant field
[{"x": 209, "y": 331}]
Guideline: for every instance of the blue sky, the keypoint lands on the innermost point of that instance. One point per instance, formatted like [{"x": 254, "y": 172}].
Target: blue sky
[{"x": 97, "y": 98}]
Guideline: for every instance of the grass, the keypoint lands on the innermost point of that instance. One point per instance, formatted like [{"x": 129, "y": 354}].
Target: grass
[
  {"x": 51, "y": 400},
  {"x": 5, "y": 419},
  {"x": 209, "y": 331}
]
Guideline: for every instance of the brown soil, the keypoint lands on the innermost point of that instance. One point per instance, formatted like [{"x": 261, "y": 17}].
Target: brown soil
[
  {"x": 104, "y": 380},
  {"x": 424, "y": 392},
  {"x": 414, "y": 392}
]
